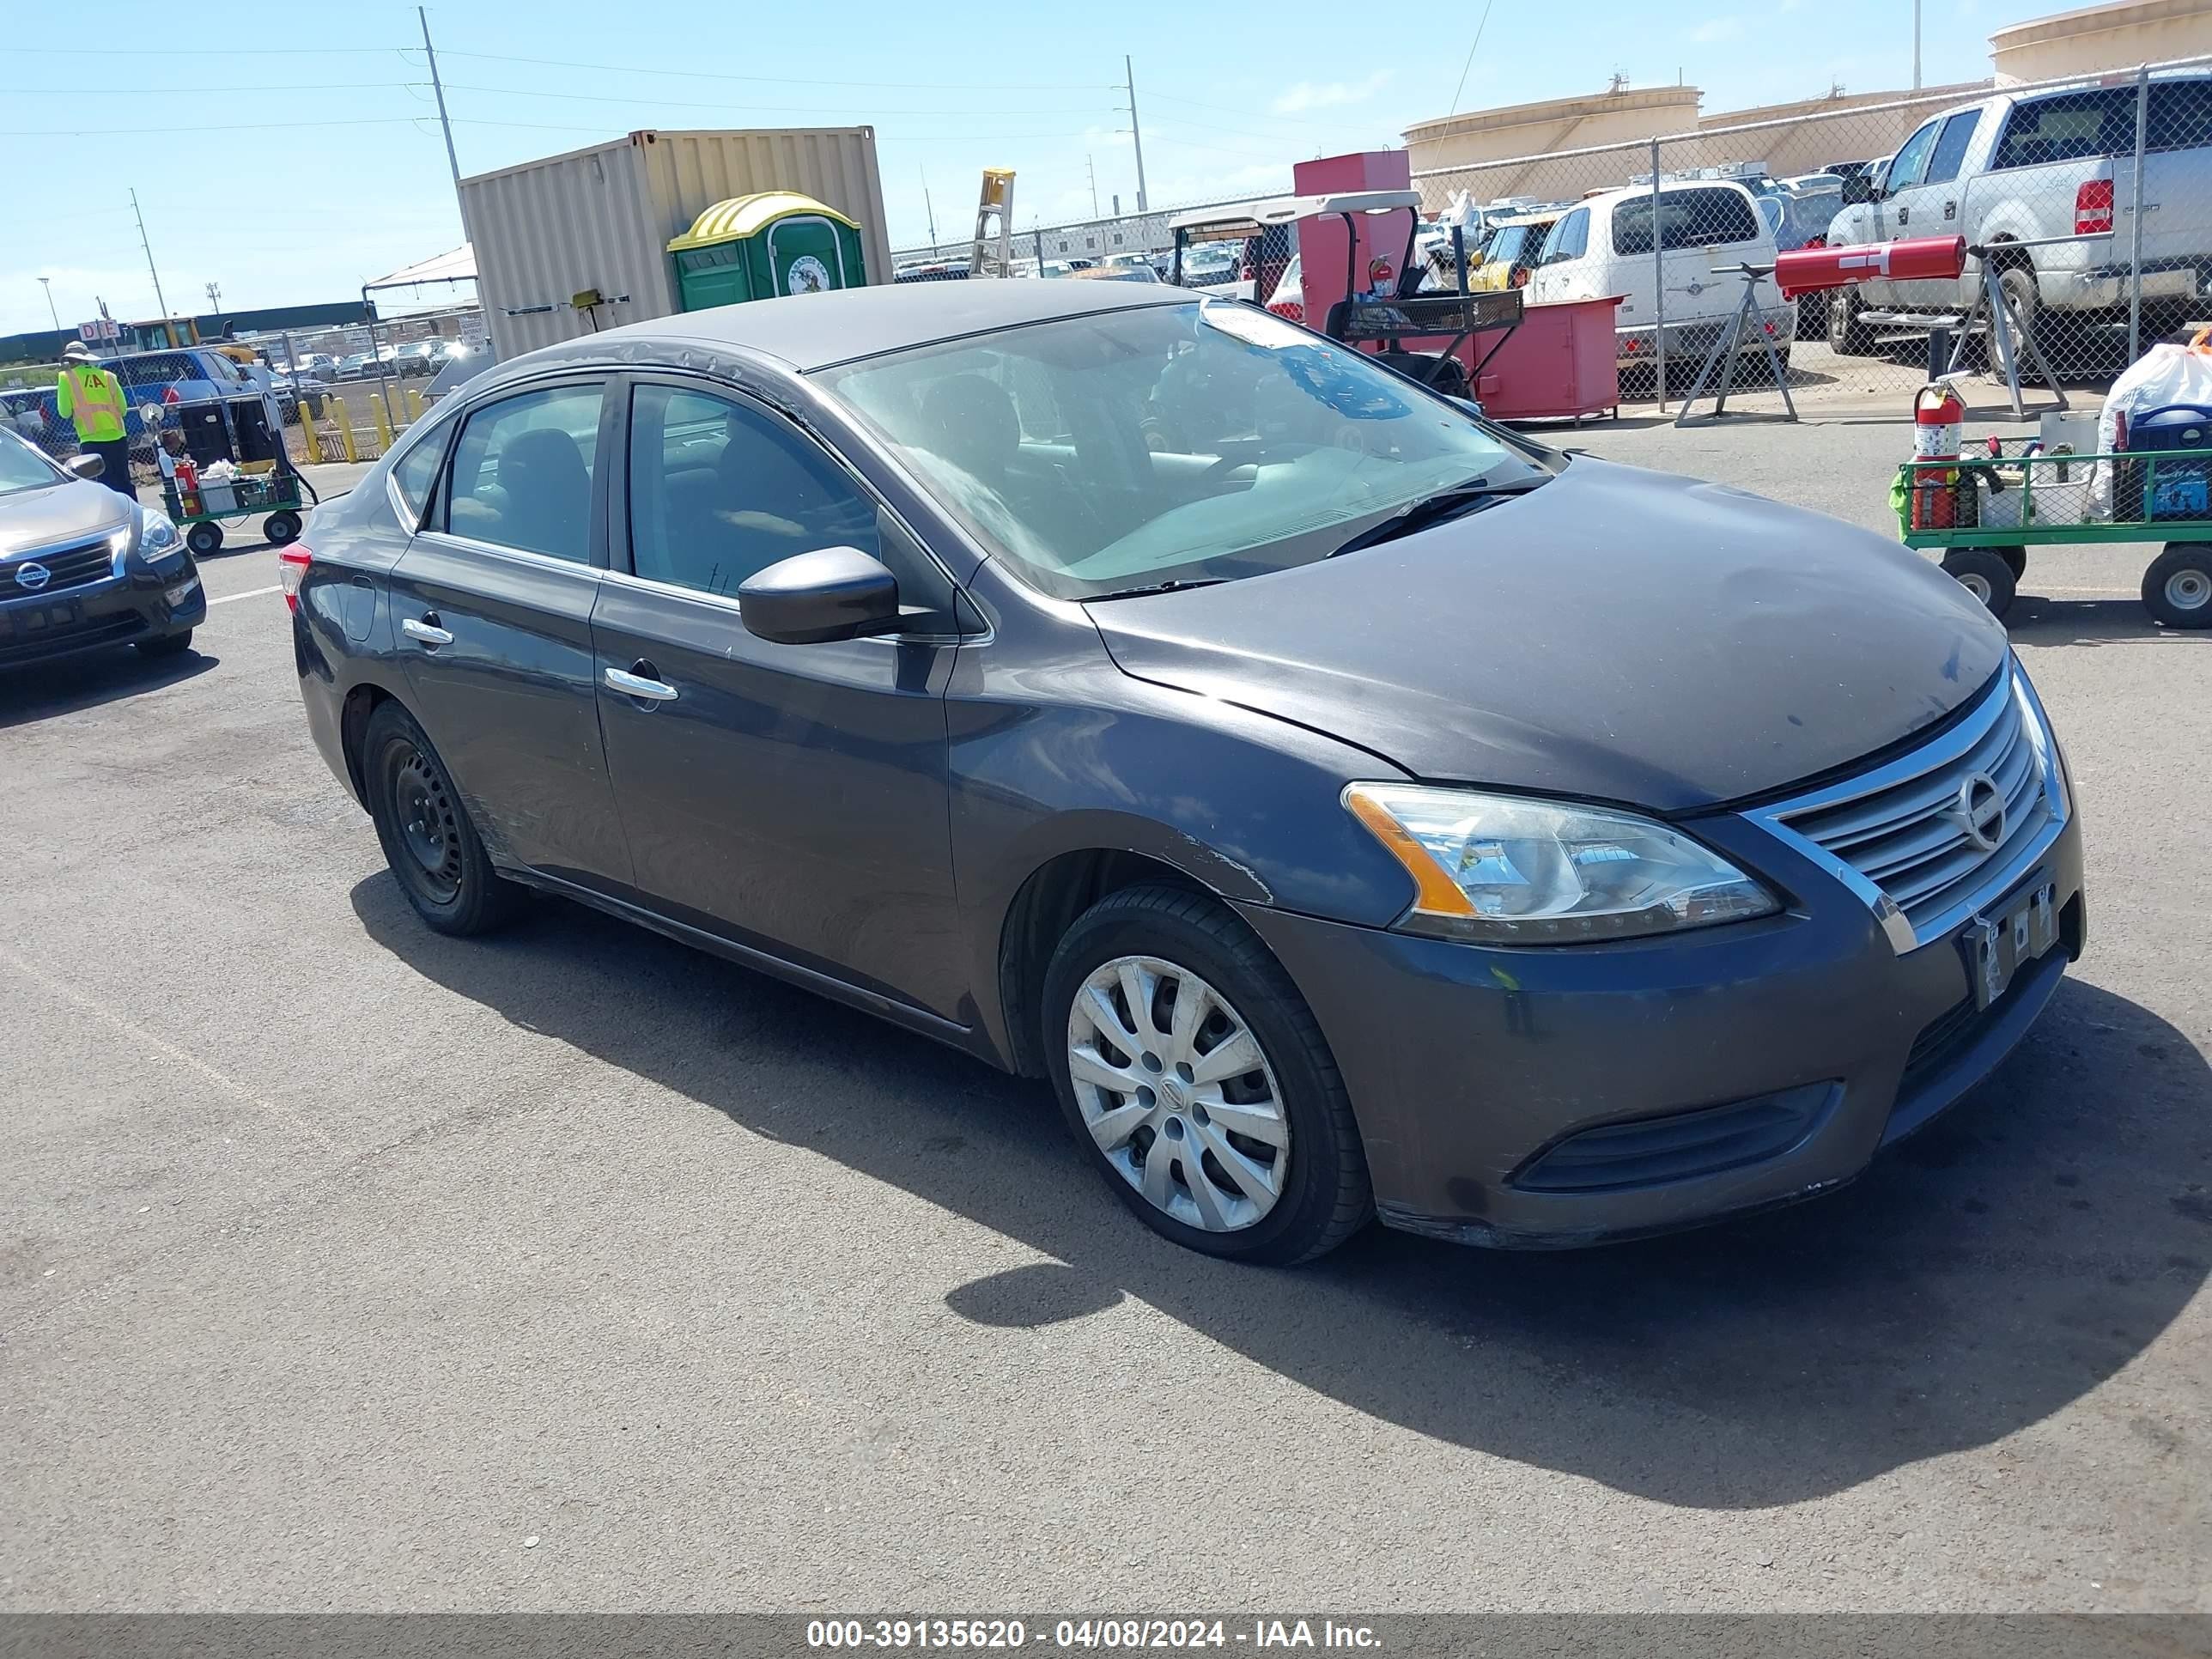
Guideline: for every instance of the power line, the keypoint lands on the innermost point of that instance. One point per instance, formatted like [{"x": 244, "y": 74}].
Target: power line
[
  {"x": 727, "y": 105},
  {"x": 1469, "y": 65},
  {"x": 106, "y": 51},
  {"x": 264, "y": 126},
  {"x": 166, "y": 91},
  {"x": 772, "y": 79}
]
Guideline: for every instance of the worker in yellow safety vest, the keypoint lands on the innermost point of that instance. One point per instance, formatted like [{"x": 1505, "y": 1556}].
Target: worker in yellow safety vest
[{"x": 92, "y": 400}]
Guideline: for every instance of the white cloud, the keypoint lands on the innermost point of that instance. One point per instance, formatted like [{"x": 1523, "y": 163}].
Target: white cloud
[
  {"x": 1714, "y": 29},
  {"x": 1326, "y": 94}
]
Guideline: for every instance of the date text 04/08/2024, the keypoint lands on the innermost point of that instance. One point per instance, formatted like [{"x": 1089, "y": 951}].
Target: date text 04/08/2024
[{"x": 1107, "y": 1634}]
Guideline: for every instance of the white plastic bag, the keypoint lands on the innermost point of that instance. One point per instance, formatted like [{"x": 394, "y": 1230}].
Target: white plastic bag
[{"x": 2166, "y": 373}]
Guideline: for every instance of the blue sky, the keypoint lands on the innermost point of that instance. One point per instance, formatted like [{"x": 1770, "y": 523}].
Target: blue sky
[{"x": 334, "y": 174}]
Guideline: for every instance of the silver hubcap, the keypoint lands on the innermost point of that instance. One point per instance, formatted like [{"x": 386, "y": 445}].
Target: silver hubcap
[
  {"x": 2188, "y": 590},
  {"x": 1173, "y": 1088},
  {"x": 1976, "y": 585}
]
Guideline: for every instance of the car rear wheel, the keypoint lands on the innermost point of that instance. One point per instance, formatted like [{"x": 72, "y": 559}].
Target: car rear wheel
[
  {"x": 2177, "y": 589},
  {"x": 427, "y": 839},
  {"x": 1985, "y": 572},
  {"x": 1847, "y": 335},
  {"x": 1193, "y": 1072}
]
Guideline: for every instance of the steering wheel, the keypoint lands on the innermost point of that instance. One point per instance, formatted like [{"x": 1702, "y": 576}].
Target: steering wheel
[{"x": 1235, "y": 458}]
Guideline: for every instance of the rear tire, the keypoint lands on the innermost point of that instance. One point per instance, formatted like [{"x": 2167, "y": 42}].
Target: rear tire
[
  {"x": 1847, "y": 335},
  {"x": 1292, "y": 1182},
  {"x": 280, "y": 528},
  {"x": 1985, "y": 572},
  {"x": 204, "y": 539},
  {"x": 2177, "y": 589},
  {"x": 433, "y": 848}
]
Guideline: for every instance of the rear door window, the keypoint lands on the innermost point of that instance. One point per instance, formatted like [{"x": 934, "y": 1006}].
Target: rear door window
[
  {"x": 522, "y": 472},
  {"x": 2069, "y": 127},
  {"x": 1705, "y": 216}
]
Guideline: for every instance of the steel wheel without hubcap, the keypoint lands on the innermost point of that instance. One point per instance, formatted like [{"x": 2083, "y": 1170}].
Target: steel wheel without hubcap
[
  {"x": 1173, "y": 1088},
  {"x": 428, "y": 828},
  {"x": 2189, "y": 590}
]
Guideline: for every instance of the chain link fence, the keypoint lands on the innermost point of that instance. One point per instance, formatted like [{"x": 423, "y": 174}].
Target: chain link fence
[
  {"x": 2086, "y": 202},
  {"x": 337, "y": 394}
]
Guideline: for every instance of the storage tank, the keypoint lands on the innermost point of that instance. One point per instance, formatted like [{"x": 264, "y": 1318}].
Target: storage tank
[{"x": 578, "y": 242}]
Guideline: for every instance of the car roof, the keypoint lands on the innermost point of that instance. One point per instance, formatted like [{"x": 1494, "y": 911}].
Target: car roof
[{"x": 813, "y": 330}]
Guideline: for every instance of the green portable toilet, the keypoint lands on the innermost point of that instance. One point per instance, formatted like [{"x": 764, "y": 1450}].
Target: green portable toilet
[{"x": 758, "y": 246}]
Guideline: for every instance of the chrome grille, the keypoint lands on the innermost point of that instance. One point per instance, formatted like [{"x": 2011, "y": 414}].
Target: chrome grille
[
  {"x": 1902, "y": 830},
  {"x": 65, "y": 568}
]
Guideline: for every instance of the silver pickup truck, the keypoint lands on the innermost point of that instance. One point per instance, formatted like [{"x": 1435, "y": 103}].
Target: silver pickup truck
[{"x": 2017, "y": 167}]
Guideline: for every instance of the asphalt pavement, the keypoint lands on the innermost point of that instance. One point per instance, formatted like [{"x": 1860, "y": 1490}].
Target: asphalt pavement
[{"x": 343, "y": 1266}]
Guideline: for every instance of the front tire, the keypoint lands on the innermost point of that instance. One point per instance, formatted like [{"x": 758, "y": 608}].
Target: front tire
[
  {"x": 2177, "y": 589},
  {"x": 433, "y": 848},
  {"x": 1199, "y": 1083},
  {"x": 1985, "y": 572}
]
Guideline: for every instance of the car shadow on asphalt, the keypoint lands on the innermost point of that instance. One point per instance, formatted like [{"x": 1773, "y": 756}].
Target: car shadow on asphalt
[
  {"x": 1981, "y": 1276},
  {"x": 38, "y": 691}
]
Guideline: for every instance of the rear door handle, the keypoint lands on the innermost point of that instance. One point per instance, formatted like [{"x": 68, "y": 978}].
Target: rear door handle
[
  {"x": 640, "y": 686},
  {"x": 1950, "y": 210},
  {"x": 426, "y": 630},
  {"x": 1903, "y": 215}
]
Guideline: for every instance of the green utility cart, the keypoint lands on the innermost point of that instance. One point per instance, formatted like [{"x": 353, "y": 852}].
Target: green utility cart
[
  {"x": 759, "y": 247},
  {"x": 1985, "y": 512}
]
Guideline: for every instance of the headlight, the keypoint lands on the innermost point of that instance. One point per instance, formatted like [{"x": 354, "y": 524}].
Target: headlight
[
  {"x": 1521, "y": 871},
  {"x": 158, "y": 538}
]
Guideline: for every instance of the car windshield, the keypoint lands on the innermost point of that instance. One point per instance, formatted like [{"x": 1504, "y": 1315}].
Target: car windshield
[
  {"x": 22, "y": 467},
  {"x": 1202, "y": 442}
]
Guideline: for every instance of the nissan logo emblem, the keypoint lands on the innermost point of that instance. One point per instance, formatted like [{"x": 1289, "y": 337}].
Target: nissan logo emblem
[
  {"x": 33, "y": 576},
  {"x": 1980, "y": 811}
]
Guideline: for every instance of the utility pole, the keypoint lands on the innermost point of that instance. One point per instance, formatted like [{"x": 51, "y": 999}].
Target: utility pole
[
  {"x": 1916, "y": 46},
  {"x": 1092, "y": 170},
  {"x": 215, "y": 298},
  {"x": 47, "y": 283},
  {"x": 930, "y": 209},
  {"x": 1137, "y": 138},
  {"x": 149, "y": 246},
  {"x": 437, "y": 88}
]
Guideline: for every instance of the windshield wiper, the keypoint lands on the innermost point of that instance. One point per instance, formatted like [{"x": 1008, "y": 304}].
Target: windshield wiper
[
  {"x": 1434, "y": 509},
  {"x": 1176, "y": 586}
]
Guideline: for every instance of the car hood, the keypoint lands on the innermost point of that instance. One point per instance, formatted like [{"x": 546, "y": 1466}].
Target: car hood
[
  {"x": 1617, "y": 634},
  {"x": 42, "y": 518}
]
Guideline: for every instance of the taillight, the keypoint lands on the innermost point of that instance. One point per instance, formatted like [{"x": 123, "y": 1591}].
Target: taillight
[
  {"x": 2092, "y": 207},
  {"x": 292, "y": 564},
  {"x": 1289, "y": 308}
]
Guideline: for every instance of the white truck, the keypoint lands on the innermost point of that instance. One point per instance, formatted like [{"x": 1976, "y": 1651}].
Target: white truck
[{"x": 2019, "y": 167}]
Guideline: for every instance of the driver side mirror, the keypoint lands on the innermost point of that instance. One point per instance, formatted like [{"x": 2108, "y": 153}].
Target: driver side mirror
[
  {"x": 1858, "y": 190},
  {"x": 87, "y": 467},
  {"x": 811, "y": 599}
]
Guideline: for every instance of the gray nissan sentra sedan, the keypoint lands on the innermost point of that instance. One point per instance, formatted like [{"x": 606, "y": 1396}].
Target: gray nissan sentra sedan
[{"x": 1352, "y": 807}]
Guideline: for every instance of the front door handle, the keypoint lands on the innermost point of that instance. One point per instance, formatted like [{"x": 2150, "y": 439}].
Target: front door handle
[
  {"x": 426, "y": 630},
  {"x": 633, "y": 684}
]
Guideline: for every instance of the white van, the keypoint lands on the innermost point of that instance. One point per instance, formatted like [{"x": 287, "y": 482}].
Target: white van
[{"x": 1603, "y": 245}]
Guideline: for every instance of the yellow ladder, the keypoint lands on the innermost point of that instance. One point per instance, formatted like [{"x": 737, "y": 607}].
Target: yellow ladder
[{"x": 993, "y": 253}]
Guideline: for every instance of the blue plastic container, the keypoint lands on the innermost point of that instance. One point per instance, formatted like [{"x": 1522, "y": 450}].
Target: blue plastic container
[{"x": 2180, "y": 487}]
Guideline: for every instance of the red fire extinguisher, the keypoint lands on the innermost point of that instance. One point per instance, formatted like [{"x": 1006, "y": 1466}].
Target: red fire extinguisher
[{"x": 1938, "y": 428}]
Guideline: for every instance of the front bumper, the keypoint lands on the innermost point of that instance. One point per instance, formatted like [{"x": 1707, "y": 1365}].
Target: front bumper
[
  {"x": 1464, "y": 1063},
  {"x": 133, "y": 604}
]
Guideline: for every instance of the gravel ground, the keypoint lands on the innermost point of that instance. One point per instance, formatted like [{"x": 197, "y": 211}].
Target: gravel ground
[{"x": 344, "y": 1266}]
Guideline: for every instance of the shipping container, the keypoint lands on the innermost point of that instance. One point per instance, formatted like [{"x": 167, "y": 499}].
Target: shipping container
[{"x": 601, "y": 220}]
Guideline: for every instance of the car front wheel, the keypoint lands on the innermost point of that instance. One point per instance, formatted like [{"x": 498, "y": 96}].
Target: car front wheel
[
  {"x": 432, "y": 847},
  {"x": 1192, "y": 1070}
]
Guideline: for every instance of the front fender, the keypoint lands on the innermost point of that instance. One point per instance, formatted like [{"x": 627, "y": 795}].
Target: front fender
[{"x": 1245, "y": 806}]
